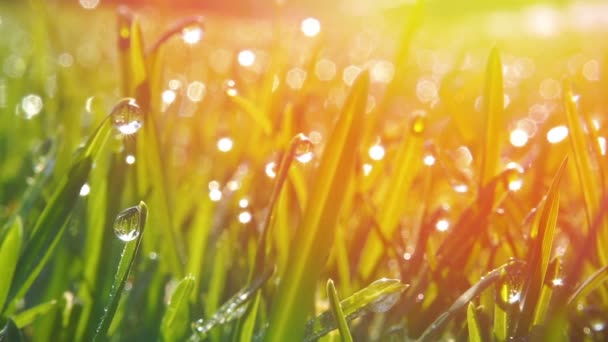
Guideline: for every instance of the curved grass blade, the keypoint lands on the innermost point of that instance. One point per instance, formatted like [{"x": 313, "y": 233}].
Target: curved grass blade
[
  {"x": 591, "y": 283},
  {"x": 173, "y": 30},
  {"x": 379, "y": 296},
  {"x": 493, "y": 125},
  {"x": 10, "y": 332},
  {"x": 174, "y": 324},
  {"x": 336, "y": 309},
  {"x": 586, "y": 175},
  {"x": 473, "y": 324},
  {"x": 232, "y": 309},
  {"x": 311, "y": 243},
  {"x": 254, "y": 113},
  {"x": 129, "y": 253},
  {"x": 541, "y": 235},
  {"x": 130, "y": 47},
  {"x": 432, "y": 332},
  {"x": 52, "y": 221},
  {"x": 10, "y": 248},
  {"x": 27, "y": 317}
]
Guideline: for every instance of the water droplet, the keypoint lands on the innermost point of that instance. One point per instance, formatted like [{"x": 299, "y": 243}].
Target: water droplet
[
  {"x": 429, "y": 160},
  {"x": 310, "y": 27},
  {"x": 245, "y": 217},
  {"x": 246, "y": 58},
  {"x": 31, "y": 106},
  {"x": 598, "y": 325},
  {"x": 418, "y": 123},
  {"x": 514, "y": 297},
  {"x": 85, "y": 190},
  {"x": 244, "y": 203},
  {"x": 442, "y": 225},
  {"x": 557, "y": 134},
  {"x": 127, "y": 223},
  {"x": 130, "y": 159},
  {"x": 376, "y": 152},
  {"x": 127, "y": 116},
  {"x": 367, "y": 169},
  {"x": 461, "y": 188},
  {"x": 303, "y": 151},
  {"x": 270, "y": 170},
  {"x": 556, "y": 282},
  {"x": 224, "y": 144}
]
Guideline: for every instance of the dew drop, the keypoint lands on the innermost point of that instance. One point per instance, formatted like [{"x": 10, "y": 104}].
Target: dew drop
[
  {"x": 192, "y": 34},
  {"x": 127, "y": 223},
  {"x": 127, "y": 116},
  {"x": 303, "y": 151},
  {"x": 31, "y": 106},
  {"x": 418, "y": 124}
]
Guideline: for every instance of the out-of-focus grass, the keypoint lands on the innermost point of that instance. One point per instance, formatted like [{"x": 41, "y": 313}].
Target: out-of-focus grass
[{"x": 434, "y": 156}]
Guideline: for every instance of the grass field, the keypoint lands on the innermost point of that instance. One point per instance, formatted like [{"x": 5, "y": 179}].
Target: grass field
[{"x": 403, "y": 174}]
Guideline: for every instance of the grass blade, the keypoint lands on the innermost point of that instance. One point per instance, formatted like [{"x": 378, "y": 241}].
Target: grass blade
[
  {"x": 591, "y": 283},
  {"x": 432, "y": 332},
  {"x": 254, "y": 113},
  {"x": 311, "y": 244},
  {"x": 379, "y": 296},
  {"x": 9, "y": 256},
  {"x": 473, "y": 324},
  {"x": 336, "y": 309},
  {"x": 541, "y": 235},
  {"x": 27, "y": 317},
  {"x": 493, "y": 125},
  {"x": 178, "y": 312},
  {"x": 129, "y": 253},
  {"x": 586, "y": 174},
  {"x": 51, "y": 223},
  {"x": 10, "y": 332}
]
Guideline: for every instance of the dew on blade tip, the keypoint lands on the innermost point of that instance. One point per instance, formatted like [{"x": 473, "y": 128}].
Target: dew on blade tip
[
  {"x": 127, "y": 116},
  {"x": 127, "y": 224}
]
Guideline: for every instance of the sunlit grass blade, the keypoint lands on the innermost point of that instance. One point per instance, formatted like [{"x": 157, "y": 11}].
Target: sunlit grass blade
[
  {"x": 591, "y": 283},
  {"x": 434, "y": 330},
  {"x": 259, "y": 117},
  {"x": 408, "y": 161},
  {"x": 130, "y": 47},
  {"x": 579, "y": 144},
  {"x": 314, "y": 236},
  {"x": 232, "y": 309},
  {"x": 551, "y": 280},
  {"x": 501, "y": 315},
  {"x": 125, "y": 264},
  {"x": 175, "y": 320},
  {"x": 539, "y": 253},
  {"x": 10, "y": 332},
  {"x": 379, "y": 296},
  {"x": 10, "y": 248},
  {"x": 28, "y": 316},
  {"x": 493, "y": 121},
  {"x": 473, "y": 324},
  {"x": 51, "y": 223},
  {"x": 336, "y": 309}
]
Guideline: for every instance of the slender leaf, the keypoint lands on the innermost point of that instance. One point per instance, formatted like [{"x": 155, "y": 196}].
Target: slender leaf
[
  {"x": 432, "y": 332},
  {"x": 473, "y": 324},
  {"x": 27, "y": 317},
  {"x": 314, "y": 237},
  {"x": 10, "y": 248},
  {"x": 10, "y": 332},
  {"x": 173, "y": 325},
  {"x": 591, "y": 283},
  {"x": 129, "y": 253},
  {"x": 336, "y": 309}
]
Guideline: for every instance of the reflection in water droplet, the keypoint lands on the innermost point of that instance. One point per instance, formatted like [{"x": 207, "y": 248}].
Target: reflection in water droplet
[
  {"x": 127, "y": 224},
  {"x": 418, "y": 124},
  {"x": 127, "y": 116},
  {"x": 557, "y": 282},
  {"x": 271, "y": 170},
  {"x": 598, "y": 325},
  {"x": 304, "y": 147},
  {"x": 514, "y": 297},
  {"x": 31, "y": 106},
  {"x": 85, "y": 190}
]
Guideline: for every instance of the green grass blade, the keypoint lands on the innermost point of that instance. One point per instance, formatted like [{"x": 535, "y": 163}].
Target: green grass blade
[
  {"x": 541, "y": 235},
  {"x": 546, "y": 292},
  {"x": 473, "y": 324},
  {"x": 233, "y": 308},
  {"x": 336, "y": 309},
  {"x": 129, "y": 253},
  {"x": 27, "y": 317},
  {"x": 591, "y": 283},
  {"x": 501, "y": 316},
  {"x": 493, "y": 125},
  {"x": 10, "y": 248},
  {"x": 432, "y": 332},
  {"x": 174, "y": 324},
  {"x": 315, "y": 235},
  {"x": 254, "y": 113},
  {"x": 52, "y": 221},
  {"x": 379, "y": 296}
]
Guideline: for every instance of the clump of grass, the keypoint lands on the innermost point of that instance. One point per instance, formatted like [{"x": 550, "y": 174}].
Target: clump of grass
[{"x": 265, "y": 178}]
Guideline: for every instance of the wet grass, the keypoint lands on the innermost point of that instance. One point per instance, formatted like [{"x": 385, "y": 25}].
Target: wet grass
[{"x": 407, "y": 187}]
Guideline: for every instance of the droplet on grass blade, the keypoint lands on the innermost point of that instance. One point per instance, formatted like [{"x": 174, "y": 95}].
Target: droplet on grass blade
[
  {"x": 192, "y": 34},
  {"x": 127, "y": 224},
  {"x": 127, "y": 116},
  {"x": 303, "y": 151}
]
